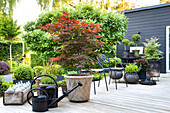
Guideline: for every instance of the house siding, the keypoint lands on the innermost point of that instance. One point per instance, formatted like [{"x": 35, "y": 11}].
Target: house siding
[{"x": 150, "y": 22}]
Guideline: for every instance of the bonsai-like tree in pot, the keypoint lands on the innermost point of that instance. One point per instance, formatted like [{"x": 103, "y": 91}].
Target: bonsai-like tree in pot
[
  {"x": 125, "y": 52},
  {"x": 136, "y": 39},
  {"x": 78, "y": 40},
  {"x": 153, "y": 55}
]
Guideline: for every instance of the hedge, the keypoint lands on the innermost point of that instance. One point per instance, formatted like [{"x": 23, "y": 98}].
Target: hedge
[{"x": 5, "y": 53}]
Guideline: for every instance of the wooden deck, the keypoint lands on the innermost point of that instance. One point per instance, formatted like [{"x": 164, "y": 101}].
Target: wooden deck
[{"x": 135, "y": 98}]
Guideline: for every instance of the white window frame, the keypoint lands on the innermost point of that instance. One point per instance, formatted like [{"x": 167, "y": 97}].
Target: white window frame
[{"x": 167, "y": 48}]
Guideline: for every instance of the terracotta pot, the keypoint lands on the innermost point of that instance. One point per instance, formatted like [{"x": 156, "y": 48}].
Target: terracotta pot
[
  {"x": 81, "y": 94},
  {"x": 131, "y": 77}
]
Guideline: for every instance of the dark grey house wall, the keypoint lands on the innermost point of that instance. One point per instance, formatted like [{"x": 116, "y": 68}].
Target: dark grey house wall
[{"x": 149, "y": 22}]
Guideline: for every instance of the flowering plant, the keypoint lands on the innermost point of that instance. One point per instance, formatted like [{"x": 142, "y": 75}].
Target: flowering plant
[{"x": 142, "y": 63}]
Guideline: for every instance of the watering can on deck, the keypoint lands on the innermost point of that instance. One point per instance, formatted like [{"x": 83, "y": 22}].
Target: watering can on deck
[{"x": 48, "y": 97}]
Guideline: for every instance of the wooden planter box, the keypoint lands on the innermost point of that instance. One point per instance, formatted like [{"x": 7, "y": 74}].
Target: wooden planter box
[{"x": 13, "y": 99}]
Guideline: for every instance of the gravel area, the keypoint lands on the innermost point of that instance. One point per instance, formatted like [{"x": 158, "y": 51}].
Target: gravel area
[{"x": 8, "y": 77}]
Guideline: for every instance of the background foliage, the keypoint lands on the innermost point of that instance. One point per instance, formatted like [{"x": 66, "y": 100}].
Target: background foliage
[{"x": 114, "y": 25}]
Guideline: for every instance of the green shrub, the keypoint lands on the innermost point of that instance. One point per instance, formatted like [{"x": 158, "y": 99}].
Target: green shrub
[
  {"x": 114, "y": 62},
  {"x": 5, "y": 86},
  {"x": 36, "y": 60},
  {"x": 125, "y": 42},
  {"x": 23, "y": 72},
  {"x": 2, "y": 79},
  {"x": 38, "y": 70},
  {"x": 132, "y": 68},
  {"x": 131, "y": 44},
  {"x": 136, "y": 38},
  {"x": 53, "y": 70},
  {"x": 48, "y": 80}
]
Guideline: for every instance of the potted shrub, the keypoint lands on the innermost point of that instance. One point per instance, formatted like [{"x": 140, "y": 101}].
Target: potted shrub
[
  {"x": 131, "y": 44},
  {"x": 131, "y": 75},
  {"x": 125, "y": 51},
  {"x": 136, "y": 39},
  {"x": 144, "y": 65},
  {"x": 4, "y": 68},
  {"x": 23, "y": 73},
  {"x": 114, "y": 63},
  {"x": 153, "y": 55},
  {"x": 78, "y": 41}
]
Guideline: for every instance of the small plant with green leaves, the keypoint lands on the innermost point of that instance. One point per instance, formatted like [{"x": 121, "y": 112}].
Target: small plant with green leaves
[
  {"x": 132, "y": 68},
  {"x": 115, "y": 62},
  {"x": 136, "y": 38},
  {"x": 38, "y": 70},
  {"x": 23, "y": 72},
  {"x": 131, "y": 44},
  {"x": 151, "y": 49},
  {"x": 125, "y": 42}
]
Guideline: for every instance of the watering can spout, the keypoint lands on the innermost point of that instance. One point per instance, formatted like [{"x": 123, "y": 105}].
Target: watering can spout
[{"x": 65, "y": 94}]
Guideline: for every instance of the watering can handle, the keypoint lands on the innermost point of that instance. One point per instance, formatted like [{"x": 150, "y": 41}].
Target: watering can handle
[
  {"x": 33, "y": 95},
  {"x": 42, "y": 76}
]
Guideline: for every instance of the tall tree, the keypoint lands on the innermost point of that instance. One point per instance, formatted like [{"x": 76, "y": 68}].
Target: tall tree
[{"x": 9, "y": 30}]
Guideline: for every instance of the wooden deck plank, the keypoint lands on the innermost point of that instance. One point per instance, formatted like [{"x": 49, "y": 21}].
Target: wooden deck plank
[{"x": 135, "y": 98}]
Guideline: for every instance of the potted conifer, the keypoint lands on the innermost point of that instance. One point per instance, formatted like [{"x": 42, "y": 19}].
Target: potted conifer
[
  {"x": 153, "y": 55},
  {"x": 77, "y": 41}
]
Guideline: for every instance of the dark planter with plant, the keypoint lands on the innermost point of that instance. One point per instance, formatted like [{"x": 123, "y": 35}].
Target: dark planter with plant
[
  {"x": 144, "y": 65},
  {"x": 131, "y": 44},
  {"x": 131, "y": 75},
  {"x": 125, "y": 51},
  {"x": 23, "y": 73},
  {"x": 63, "y": 86},
  {"x": 77, "y": 41},
  {"x": 153, "y": 55},
  {"x": 115, "y": 74}
]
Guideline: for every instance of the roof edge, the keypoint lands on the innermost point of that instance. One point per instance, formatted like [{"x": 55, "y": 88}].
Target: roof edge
[{"x": 146, "y": 8}]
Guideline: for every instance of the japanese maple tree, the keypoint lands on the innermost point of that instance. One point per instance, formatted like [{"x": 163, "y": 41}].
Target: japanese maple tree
[{"x": 78, "y": 40}]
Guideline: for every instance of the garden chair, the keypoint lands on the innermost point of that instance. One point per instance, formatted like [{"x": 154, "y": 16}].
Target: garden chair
[
  {"x": 105, "y": 61},
  {"x": 98, "y": 71}
]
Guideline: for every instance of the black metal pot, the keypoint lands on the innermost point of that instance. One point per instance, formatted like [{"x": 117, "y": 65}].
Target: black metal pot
[
  {"x": 116, "y": 74},
  {"x": 131, "y": 77},
  {"x": 142, "y": 74}
]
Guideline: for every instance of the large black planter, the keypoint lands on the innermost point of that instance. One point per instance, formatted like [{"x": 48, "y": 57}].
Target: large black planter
[
  {"x": 154, "y": 68},
  {"x": 131, "y": 78},
  {"x": 125, "y": 53},
  {"x": 142, "y": 74}
]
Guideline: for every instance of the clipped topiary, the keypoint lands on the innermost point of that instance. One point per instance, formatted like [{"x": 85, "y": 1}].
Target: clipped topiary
[
  {"x": 125, "y": 42},
  {"x": 4, "y": 68},
  {"x": 136, "y": 38},
  {"x": 23, "y": 72},
  {"x": 131, "y": 44}
]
